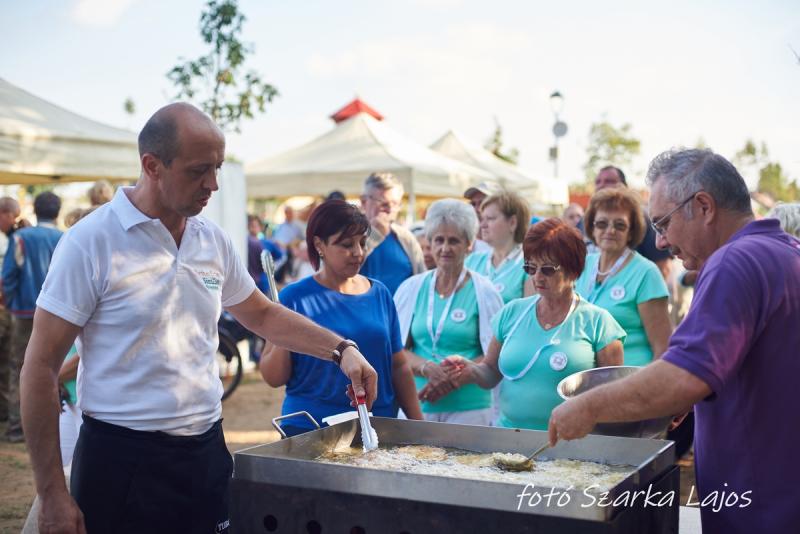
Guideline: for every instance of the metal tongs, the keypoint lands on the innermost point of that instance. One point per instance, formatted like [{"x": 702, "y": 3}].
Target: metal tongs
[{"x": 369, "y": 437}]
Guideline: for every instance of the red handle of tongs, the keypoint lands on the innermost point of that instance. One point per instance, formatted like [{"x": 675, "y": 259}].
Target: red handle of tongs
[{"x": 360, "y": 399}]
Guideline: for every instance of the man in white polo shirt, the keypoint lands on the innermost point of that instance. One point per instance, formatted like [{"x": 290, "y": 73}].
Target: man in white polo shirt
[{"x": 141, "y": 283}]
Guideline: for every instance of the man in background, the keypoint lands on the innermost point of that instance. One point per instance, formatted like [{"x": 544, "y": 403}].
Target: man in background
[
  {"x": 9, "y": 213},
  {"x": 24, "y": 269},
  {"x": 393, "y": 253}
]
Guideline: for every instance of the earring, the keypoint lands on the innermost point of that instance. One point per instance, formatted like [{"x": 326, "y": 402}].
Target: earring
[{"x": 319, "y": 253}]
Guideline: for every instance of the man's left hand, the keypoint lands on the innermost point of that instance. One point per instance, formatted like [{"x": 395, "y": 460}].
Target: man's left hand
[
  {"x": 571, "y": 420},
  {"x": 361, "y": 374}
]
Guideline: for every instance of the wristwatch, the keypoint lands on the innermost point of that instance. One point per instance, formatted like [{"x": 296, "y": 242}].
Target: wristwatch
[{"x": 336, "y": 354}]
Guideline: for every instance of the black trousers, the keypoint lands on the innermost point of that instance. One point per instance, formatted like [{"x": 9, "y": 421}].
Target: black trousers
[{"x": 131, "y": 481}]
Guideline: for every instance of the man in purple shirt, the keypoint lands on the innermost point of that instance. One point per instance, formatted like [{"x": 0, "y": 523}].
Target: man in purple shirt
[{"x": 734, "y": 357}]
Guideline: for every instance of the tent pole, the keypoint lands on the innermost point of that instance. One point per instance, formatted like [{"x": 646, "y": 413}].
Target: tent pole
[{"x": 412, "y": 200}]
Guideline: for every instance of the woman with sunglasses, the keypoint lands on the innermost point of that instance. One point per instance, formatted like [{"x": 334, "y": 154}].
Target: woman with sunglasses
[
  {"x": 540, "y": 340},
  {"x": 621, "y": 280},
  {"x": 354, "y": 306}
]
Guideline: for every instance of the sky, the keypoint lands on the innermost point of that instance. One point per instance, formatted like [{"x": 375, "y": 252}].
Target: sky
[{"x": 678, "y": 72}]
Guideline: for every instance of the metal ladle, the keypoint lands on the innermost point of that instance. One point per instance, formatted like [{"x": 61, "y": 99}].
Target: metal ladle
[{"x": 517, "y": 462}]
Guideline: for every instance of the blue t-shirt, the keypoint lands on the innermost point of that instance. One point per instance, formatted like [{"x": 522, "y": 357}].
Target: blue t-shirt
[
  {"x": 639, "y": 281},
  {"x": 527, "y": 401},
  {"x": 370, "y": 319},
  {"x": 388, "y": 263}
]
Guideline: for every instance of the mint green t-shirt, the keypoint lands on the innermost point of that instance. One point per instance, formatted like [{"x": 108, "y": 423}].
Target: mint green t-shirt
[
  {"x": 508, "y": 279},
  {"x": 637, "y": 282},
  {"x": 460, "y": 335},
  {"x": 69, "y": 385},
  {"x": 528, "y": 401}
]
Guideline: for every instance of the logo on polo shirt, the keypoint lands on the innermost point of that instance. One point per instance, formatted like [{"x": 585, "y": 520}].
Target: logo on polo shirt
[
  {"x": 458, "y": 315},
  {"x": 617, "y": 292},
  {"x": 212, "y": 280}
]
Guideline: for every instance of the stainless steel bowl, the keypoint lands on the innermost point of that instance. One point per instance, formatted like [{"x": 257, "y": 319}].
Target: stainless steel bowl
[{"x": 582, "y": 381}]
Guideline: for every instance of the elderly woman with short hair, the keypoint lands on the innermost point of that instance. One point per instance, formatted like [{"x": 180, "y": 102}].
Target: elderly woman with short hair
[
  {"x": 540, "y": 340},
  {"x": 445, "y": 312},
  {"x": 789, "y": 217},
  {"x": 621, "y": 280},
  {"x": 504, "y": 221}
]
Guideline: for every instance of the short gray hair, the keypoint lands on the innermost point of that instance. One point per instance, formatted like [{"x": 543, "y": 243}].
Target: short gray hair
[
  {"x": 453, "y": 212},
  {"x": 789, "y": 217},
  {"x": 689, "y": 170},
  {"x": 381, "y": 181}
]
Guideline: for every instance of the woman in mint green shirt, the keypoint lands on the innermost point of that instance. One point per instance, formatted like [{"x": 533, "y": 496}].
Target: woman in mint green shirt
[
  {"x": 448, "y": 311},
  {"x": 622, "y": 281},
  {"x": 540, "y": 340},
  {"x": 504, "y": 221}
]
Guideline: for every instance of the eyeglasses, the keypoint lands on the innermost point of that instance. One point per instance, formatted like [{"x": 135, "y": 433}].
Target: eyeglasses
[
  {"x": 547, "y": 270},
  {"x": 619, "y": 226},
  {"x": 660, "y": 226},
  {"x": 385, "y": 204}
]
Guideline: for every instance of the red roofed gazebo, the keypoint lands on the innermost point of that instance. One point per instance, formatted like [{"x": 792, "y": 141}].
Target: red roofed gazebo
[{"x": 353, "y": 108}]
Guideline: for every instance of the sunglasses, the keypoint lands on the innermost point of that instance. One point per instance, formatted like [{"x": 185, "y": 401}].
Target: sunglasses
[
  {"x": 619, "y": 226},
  {"x": 547, "y": 270}
]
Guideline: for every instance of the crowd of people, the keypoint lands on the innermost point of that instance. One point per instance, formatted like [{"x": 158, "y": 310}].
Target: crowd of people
[{"x": 472, "y": 317}]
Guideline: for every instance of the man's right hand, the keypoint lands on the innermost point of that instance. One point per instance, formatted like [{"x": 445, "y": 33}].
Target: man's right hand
[
  {"x": 60, "y": 514},
  {"x": 362, "y": 375}
]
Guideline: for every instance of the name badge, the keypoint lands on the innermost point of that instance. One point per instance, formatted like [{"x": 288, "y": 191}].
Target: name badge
[
  {"x": 458, "y": 315},
  {"x": 617, "y": 292},
  {"x": 558, "y": 361},
  {"x": 499, "y": 287}
]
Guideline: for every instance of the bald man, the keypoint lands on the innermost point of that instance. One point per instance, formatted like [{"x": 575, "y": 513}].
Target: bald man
[
  {"x": 9, "y": 213},
  {"x": 141, "y": 283}
]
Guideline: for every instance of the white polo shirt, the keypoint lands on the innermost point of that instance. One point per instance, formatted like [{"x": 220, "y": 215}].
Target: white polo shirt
[{"x": 149, "y": 314}]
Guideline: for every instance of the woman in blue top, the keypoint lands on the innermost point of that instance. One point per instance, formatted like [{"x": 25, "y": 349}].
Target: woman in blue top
[
  {"x": 542, "y": 339},
  {"x": 504, "y": 221},
  {"x": 351, "y": 305},
  {"x": 621, "y": 280}
]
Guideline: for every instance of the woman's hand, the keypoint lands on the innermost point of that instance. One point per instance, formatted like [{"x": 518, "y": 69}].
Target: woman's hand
[
  {"x": 459, "y": 369},
  {"x": 440, "y": 382}
]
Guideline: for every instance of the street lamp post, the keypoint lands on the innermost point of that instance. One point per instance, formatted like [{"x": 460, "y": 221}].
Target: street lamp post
[{"x": 559, "y": 127}]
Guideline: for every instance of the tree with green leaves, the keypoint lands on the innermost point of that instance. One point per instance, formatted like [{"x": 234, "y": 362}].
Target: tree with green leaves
[
  {"x": 773, "y": 181},
  {"x": 609, "y": 145},
  {"x": 216, "y": 80},
  {"x": 495, "y": 145}
]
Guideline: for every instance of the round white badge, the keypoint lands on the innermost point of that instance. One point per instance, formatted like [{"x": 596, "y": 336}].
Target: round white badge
[
  {"x": 617, "y": 292},
  {"x": 558, "y": 361},
  {"x": 499, "y": 287},
  {"x": 458, "y": 315}
]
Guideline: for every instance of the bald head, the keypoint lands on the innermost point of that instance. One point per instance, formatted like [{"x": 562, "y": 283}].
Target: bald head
[
  {"x": 163, "y": 132},
  {"x": 9, "y": 212}
]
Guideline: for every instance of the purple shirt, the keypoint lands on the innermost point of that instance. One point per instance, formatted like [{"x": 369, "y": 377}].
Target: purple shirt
[{"x": 742, "y": 338}]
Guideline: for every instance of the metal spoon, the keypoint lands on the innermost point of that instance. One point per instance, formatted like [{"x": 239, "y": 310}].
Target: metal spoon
[{"x": 517, "y": 462}]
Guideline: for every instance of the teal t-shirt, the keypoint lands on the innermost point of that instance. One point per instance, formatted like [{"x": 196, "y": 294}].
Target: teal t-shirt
[
  {"x": 460, "y": 335},
  {"x": 69, "y": 385},
  {"x": 528, "y": 401},
  {"x": 637, "y": 282},
  {"x": 508, "y": 279}
]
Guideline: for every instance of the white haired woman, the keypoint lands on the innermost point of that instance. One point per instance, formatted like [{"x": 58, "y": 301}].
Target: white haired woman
[
  {"x": 448, "y": 311},
  {"x": 789, "y": 217}
]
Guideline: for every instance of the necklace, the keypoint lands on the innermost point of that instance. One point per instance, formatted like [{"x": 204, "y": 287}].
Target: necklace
[
  {"x": 617, "y": 264},
  {"x": 548, "y": 326}
]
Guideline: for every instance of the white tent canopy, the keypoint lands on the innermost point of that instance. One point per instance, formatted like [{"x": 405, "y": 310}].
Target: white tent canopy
[
  {"x": 541, "y": 193},
  {"x": 342, "y": 158},
  {"x": 43, "y": 143}
]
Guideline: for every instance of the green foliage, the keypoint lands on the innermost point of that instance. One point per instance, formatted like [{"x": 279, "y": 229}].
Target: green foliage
[
  {"x": 129, "y": 106},
  {"x": 772, "y": 181},
  {"x": 226, "y": 93},
  {"x": 495, "y": 145},
  {"x": 609, "y": 145}
]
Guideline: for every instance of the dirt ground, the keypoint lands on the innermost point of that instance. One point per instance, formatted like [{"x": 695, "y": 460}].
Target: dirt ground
[{"x": 247, "y": 421}]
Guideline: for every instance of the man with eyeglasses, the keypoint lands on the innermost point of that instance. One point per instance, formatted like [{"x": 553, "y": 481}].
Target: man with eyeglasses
[
  {"x": 735, "y": 355},
  {"x": 393, "y": 253}
]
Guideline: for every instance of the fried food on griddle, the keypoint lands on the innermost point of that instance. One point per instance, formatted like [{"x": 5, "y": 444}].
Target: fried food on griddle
[{"x": 424, "y": 452}]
